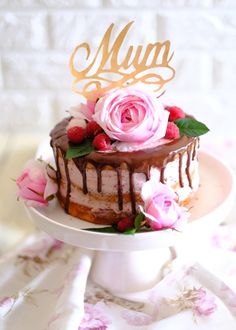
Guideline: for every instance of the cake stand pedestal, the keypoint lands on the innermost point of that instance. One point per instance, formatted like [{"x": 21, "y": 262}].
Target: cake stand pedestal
[{"x": 129, "y": 263}]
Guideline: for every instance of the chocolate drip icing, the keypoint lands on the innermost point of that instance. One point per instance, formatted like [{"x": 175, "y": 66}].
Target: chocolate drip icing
[
  {"x": 195, "y": 146},
  {"x": 180, "y": 170},
  {"x": 119, "y": 189},
  {"x": 67, "y": 201},
  {"x": 167, "y": 160},
  {"x": 136, "y": 162},
  {"x": 58, "y": 173},
  {"x": 148, "y": 173},
  {"x": 99, "y": 178},
  {"x": 162, "y": 174},
  {"x": 132, "y": 193},
  {"x": 81, "y": 164},
  {"x": 187, "y": 170}
]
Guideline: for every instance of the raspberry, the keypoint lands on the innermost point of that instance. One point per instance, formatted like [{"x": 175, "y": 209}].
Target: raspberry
[
  {"x": 125, "y": 223},
  {"x": 175, "y": 113},
  {"x": 76, "y": 134},
  {"x": 172, "y": 131},
  {"x": 93, "y": 129},
  {"x": 102, "y": 142}
]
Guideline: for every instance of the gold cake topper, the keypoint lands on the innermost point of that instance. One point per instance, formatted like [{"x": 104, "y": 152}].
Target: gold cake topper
[{"x": 106, "y": 71}]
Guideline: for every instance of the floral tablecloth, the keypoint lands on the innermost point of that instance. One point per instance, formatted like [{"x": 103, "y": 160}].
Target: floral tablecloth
[{"x": 45, "y": 285}]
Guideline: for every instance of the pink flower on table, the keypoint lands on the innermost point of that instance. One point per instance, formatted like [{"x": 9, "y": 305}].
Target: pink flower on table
[
  {"x": 132, "y": 116},
  {"x": 36, "y": 183},
  {"x": 57, "y": 245},
  {"x": 160, "y": 206},
  {"x": 203, "y": 304},
  {"x": 6, "y": 304},
  {"x": 195, "y": 299},
  {"x": 94, "y": 318}
]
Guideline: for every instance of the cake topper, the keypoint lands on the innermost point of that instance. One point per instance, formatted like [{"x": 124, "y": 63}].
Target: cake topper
[{"x": 106, "y": 70}]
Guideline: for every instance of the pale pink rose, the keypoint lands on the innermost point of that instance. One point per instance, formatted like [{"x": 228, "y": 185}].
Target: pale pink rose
[
  {"x": 203, "y": 304},
  {"x": 134, "y": 117},
  {"x": 84, "y": 110},
  {"x": 35, "y": 185},
  {"x": 160, "y": 206}
]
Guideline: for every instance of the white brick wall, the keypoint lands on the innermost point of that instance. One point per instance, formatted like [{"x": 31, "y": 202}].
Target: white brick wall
[
  {"x": 23, "y": 30},
  {"x": 36, "y": 71},
  {"x": 37, "y": 37}
]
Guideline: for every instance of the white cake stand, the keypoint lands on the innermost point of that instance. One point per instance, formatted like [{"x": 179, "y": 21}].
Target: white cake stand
[{"x": 128, "y": 263}]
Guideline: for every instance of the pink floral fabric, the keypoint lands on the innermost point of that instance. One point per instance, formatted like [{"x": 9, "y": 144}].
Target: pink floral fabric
[
  {"x": 94, "y": 318},
  {"x": 225, "y": 238},
  {"x": 59, "y": 294}
]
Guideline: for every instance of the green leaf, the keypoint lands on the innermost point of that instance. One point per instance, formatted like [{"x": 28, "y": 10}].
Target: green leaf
[
  {"x": 109, "y": 229},
  {"x": 191, "y": 127},
  {"x": 79, "y": 150},
  {"x": 138, "y": 220},
  {"x": 130, "y": 231},
  {"x": 137, "y": 224}
]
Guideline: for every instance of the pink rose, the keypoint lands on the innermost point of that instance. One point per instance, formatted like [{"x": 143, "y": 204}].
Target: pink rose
[
  {"x": 35, "y": 185},
  {"x": 160, "y": 206},
  {"x": 132, "y": 116}
]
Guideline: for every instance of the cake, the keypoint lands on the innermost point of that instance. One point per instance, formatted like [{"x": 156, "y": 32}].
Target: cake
[
  {"x": 103, "y": 187},
  {"x": 107, "y": 150},
  {"x": 123, "y": 157}
]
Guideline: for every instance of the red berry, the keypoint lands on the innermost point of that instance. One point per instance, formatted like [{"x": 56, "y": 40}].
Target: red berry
[
  {"x": 102, "y": 142},
  {"x": 172, "y": 131},
  {"x": 175, "y": 113},
  {"x": 93, "y": 129},
  {"x": 76, "y": 134},
  {"x": 125, "y": 223}
]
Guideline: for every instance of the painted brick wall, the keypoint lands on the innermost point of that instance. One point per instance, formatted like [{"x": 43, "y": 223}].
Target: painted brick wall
[{"x": 37, "y": 37}]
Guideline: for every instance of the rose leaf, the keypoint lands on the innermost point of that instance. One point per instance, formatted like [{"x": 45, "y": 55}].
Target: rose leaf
[
  {"x": 79, "y": 150},
  {"x": 191, "y": 127}
]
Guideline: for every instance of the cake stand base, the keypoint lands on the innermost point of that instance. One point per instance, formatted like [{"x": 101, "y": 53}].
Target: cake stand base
[{"x": 125, "y": 272}]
